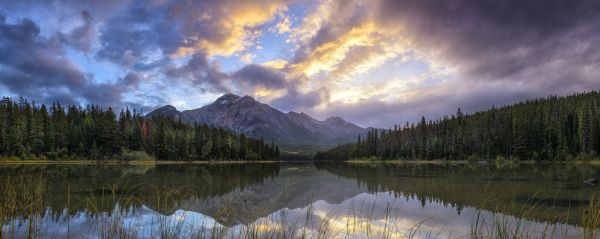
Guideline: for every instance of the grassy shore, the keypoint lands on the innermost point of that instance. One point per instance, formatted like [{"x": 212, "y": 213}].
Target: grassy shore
[{"x": 132, "y": 162}]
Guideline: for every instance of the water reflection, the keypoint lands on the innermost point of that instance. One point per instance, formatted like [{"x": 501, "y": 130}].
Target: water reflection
[
  {"x": 556, "y": 191},
  {"x": 295, "y": 200}
]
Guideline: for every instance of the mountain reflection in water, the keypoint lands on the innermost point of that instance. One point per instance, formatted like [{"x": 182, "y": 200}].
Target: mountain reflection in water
[{"x": 427, "y": 199}]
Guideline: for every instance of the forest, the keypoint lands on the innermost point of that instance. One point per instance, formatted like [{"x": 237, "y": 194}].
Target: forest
[
  {"x": 550, "y": 128},
  {"x": 30, "y": 131}
]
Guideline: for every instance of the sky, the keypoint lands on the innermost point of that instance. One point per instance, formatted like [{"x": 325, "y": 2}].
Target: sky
[{"x": 372, "y": 62}]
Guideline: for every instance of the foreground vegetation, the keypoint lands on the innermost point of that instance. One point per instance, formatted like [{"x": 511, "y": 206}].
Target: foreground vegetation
[
  {"x": 35, "y": 132},
  {"x": 23, "y": 215},
  {"x": 552, "y": 128}
]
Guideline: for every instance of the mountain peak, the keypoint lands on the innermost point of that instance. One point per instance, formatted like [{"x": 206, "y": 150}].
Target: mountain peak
[
  {"x": 165, "y": 111},
  {"x": 341, "y": 125},
  {"x": 247, "y": 98},
  {"x": 244, "y": 114},
  {"x": 168, "y": 107},
  {"x": 227, "y": 99}
]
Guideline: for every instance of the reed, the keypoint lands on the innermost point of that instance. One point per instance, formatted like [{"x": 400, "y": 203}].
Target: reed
[
  {"x": 590, "y": 219},
  {"x": 21, "y": 204},
  {"x": 23, "y": 214}
]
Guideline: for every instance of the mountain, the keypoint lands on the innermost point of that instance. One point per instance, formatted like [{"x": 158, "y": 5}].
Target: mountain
[
  {"x": 165, "y": 111},
  {"x": 293, "y": 131}
]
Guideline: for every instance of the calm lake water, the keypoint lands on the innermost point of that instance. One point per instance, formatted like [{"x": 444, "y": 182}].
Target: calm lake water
[{"x": 329, "y": 200}]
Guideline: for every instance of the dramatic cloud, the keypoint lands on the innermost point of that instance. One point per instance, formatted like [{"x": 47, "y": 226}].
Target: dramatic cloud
[
  {"x": 35, "y": 66},
  {"x": 538, "y": 47},
  {"x": 84, "y": 36},
  {"x": 377, "y": 62},
  {"x": 31, "y": 63},
  {"x": 133, "y": 36},
  {"x": 200, "y": 73},
  {"x": 295, "y": 100},
  {"x": 183, "y": 28},
  {"x": 501, "y": 40},
  {"x": 222, "y": 27},
  {"x": 256, "y": 76},
  {"x": 278, "y": 87},
  {"x": 433, "y": 103},
  {"x": 132, "y": 79}
]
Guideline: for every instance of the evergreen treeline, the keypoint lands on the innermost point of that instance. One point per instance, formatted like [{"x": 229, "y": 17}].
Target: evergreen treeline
[
  {"x": 552, "y": 128},
  {"x": 32, "y": 131}
]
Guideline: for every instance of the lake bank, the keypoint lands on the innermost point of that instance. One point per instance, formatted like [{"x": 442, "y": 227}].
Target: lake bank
[
  {"x": 365, "y": 161},
  {"x": 118, "y": 162},
  {"x": 163, "y": 162}
]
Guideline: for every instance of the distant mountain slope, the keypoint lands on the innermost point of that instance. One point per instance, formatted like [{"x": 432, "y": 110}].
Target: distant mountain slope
[
  {"x": 293, "y": 131},
  {"x": 165, "y": 111}
]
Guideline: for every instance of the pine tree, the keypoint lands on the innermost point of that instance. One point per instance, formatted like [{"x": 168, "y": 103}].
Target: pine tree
[
  {"x": 31, "y": 131},
  {"x": 552, "y": 128}
]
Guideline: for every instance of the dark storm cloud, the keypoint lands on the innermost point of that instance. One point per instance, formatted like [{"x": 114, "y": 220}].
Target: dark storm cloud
[
  {"x": 502, "y": 51},
  {"x": 512, "y": 50},
  {"x": 132, "y": 79},
  {"x": 253, "y": 77},
  {"x": 129, "y": 37},
  {"x": 132, "y": 34},
  {"x": 201, "y": 73},
  {"x": 83, "y": 37},
  {"x": 65, "y": 9},
  {"x": 295, "y": 100},
  {"x": 140, "y": 37},
  {"x": 104, "y": 94},
  {"x": 36, "y": 67},
  {"x": 257, "y": 75},
  {"x": 31, "y": 61},
  {"x": 510, "y": 40},
  {"x": 534, "y": 47},
  {"x": 178, "y": 28},
  {"x": 347, "y": 16}
]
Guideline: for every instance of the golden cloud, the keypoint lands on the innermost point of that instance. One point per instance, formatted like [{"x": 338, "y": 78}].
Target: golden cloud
[
  {"x": 276, "y": 64},
  {"x": 237, "y": 21},
  {"x": 337, "y": 48}
]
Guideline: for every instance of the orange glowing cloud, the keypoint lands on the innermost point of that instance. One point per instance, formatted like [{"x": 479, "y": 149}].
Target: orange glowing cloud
[{"x": 237, "y": 22}]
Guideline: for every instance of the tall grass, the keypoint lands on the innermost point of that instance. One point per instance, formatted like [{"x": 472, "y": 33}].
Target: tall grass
[
  {"x": 23, "y": 214},
  {"x": 591, "y": 218},
  {"x": 521, "y": 225},
  {"x": 21, "y": 204}
]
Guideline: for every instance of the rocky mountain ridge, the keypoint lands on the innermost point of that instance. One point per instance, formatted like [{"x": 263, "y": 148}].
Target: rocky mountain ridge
[{"x": 246, "y": 115}]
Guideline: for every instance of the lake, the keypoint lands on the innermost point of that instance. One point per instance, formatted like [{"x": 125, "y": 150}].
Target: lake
[{"x": 296, "y": 200}]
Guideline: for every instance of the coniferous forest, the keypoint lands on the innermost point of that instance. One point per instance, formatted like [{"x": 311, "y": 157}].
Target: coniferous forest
[
  {"x": 551, "y": 128},
  {"x": 37, "y": 131}
]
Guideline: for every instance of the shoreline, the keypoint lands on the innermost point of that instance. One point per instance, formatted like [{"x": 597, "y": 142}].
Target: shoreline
[
  {"x": 590, "y": 162},
  {"x": 117, "y": 162},
  {"x": 203, "y": 162}
]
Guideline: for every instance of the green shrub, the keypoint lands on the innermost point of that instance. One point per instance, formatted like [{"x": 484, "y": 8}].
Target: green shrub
[{"x": 134, "y": 155}]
